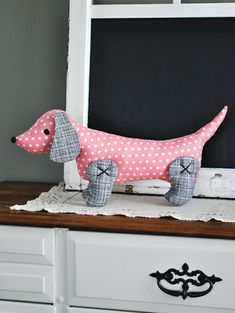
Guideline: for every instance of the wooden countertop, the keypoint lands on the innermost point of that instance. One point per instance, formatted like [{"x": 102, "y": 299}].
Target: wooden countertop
[{"x": 20, "y": 192}]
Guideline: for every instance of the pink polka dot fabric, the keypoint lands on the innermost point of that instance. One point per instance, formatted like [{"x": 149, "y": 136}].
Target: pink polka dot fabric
[{"x": 136, "y": 159}]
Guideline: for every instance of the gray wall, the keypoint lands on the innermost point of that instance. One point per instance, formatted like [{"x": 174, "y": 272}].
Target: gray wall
[{"x": 33, "y": 64}]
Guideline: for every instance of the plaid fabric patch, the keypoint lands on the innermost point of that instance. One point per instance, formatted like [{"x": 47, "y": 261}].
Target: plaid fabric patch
[
  {"x": 66, "y": 145},
  {"x": 183, "y": 172},
  {"x": 101, "y": 175}
]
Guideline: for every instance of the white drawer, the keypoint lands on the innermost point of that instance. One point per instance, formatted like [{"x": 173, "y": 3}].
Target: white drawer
[
  {"x": 25, "y": 282},
  {"x": 161, "y": 309},
  {"x": 91, "y": 310},
  {"x": 112, "y": 271},
  {"x": 17, "y": 307},
  {"x": 27, "y": 245}
]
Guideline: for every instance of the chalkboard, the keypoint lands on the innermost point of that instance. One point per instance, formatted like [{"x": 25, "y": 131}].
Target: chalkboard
[{"x": 164, "y": 78}]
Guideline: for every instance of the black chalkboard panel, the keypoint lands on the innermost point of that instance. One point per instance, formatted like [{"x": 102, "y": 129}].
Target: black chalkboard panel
[{"x": 164, "y": 78}]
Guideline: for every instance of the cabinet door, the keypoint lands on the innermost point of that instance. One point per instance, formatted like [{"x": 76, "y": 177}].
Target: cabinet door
[
  {"x": 17, "y": 307},
  {"x": 112, "y": 271},
  {"x": 27, "y": 264}
]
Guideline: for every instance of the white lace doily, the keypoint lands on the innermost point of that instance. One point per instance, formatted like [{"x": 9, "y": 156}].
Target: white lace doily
[{"x": 57, "y": 200}]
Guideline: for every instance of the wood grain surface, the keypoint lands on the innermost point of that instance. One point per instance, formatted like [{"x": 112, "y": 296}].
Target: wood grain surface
[{"x": 20, "y": 192}]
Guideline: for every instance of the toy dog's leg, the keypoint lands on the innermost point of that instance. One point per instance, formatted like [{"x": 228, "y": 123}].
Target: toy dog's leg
[
  {"x": 183, "y": 172},
  {"x": 101, "y": 175}
]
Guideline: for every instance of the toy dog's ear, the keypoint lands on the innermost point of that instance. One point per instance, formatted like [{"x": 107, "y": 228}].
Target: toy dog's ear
[{"x": 66, "y": 145}]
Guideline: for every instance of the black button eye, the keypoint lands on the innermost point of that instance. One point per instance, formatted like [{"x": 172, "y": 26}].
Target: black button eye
[{"x": 46, "y": 132}]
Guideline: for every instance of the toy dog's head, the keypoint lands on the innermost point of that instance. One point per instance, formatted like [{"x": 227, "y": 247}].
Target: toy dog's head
[{"x": 53, "y": 132}]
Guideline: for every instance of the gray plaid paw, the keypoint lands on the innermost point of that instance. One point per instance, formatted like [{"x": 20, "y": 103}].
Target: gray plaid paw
[
  {"x": 183, "y": 172},
  {"x": 86, "y": 193},
  {"x": 101, "y": 175}
]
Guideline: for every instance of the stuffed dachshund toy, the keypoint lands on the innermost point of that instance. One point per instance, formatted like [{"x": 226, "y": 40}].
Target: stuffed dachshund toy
[{"x": 105, "y": 159}]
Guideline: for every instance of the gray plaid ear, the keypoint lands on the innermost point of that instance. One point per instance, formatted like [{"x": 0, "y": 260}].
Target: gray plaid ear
[{"x": 66, "y": 145}]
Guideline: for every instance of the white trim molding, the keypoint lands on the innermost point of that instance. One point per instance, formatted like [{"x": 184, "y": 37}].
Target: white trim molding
[{"x": 168, "y": 10}]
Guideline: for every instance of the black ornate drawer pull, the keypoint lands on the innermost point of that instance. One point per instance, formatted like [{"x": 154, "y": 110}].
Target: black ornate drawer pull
[{"x": 196, "y": 278}]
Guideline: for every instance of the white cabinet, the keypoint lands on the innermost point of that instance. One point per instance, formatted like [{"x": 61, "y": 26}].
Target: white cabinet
[
  {"x": 111, "y": 271},
  {"x": 45, "y": 270},
  {"x": 27, "y": 269},
  {"x": 27, "y": 258}
]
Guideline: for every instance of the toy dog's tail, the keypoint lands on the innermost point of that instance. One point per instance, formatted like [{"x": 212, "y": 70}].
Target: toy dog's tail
[{"x": 207, "y": 131}]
